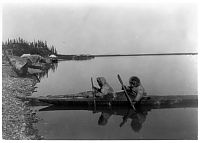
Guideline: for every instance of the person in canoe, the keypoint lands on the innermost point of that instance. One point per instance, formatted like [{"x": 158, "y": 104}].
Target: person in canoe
[
  {"x": 135, "y": 89},
  {"x": 105, "y": 90}
]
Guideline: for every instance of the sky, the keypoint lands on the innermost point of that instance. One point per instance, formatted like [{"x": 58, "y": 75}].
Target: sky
[{"x": 125, "y": 28}]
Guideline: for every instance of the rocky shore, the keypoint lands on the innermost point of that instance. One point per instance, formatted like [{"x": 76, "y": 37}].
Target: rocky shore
[{"x": 17, "y": 117}]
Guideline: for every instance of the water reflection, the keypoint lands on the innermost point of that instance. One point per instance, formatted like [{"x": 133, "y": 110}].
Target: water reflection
[
  {"x": 103, "y": 119},
  {"x": 50, "y": 67},
  {"x": 137, "y": 116},
  {"x": 53, "y": 67}
]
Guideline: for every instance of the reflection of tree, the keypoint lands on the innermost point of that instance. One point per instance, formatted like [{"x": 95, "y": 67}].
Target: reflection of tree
[
  {"x": 54, "y": 67},
  {"x": 46, "y": 70}
]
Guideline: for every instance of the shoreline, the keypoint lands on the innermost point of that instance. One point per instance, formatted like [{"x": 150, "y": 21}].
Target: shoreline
[
  {"x": 88, "y": 56},
  {"x": 17, "y": 116},
  {"x": 157, "y": 54}
]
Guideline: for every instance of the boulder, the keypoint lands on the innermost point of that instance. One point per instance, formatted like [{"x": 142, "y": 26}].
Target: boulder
[
  {"x": 34, "y": 58},
  {"x": 19, "y": 64}
]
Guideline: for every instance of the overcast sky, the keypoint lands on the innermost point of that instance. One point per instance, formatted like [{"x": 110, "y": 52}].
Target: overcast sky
[{"x": 105, "y": 29}]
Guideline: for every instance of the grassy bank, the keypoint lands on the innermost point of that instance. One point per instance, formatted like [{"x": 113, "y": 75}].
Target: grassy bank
[{"x": 17, "y": 117}]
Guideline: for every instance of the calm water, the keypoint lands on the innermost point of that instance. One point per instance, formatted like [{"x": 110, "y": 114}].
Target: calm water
[{"x": 160, "y": 75}]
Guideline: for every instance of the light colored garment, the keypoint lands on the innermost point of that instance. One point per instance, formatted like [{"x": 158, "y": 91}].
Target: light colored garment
[
  {"x": 105, "y": 88},
  {"x": 140, "y": 93},
  {"x": 136, "y": 92}
]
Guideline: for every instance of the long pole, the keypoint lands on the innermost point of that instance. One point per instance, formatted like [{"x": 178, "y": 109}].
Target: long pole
[{"x": 124, "y": 88}]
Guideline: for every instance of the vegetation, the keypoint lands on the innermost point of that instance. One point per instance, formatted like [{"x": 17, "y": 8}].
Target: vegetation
[{"x": 20, "y": 46}]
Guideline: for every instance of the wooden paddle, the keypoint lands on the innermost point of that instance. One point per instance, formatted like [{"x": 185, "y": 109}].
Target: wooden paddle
[{"x": 124, "y": 88}]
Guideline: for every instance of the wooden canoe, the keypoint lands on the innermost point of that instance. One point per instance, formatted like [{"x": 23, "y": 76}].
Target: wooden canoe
[{"x": 86, "y": 99}]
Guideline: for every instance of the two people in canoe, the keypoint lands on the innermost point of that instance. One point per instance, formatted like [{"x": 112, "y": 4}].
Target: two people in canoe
[{"x": 134, "y": 89}]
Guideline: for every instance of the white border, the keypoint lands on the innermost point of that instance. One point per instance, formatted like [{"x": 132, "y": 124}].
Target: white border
[{"x": 2, "y": 2}]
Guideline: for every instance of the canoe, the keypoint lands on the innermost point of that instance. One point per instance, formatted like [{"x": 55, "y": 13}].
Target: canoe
[
  {"x": 119, "y": 107},
  {"x": 86, "y": 99}
]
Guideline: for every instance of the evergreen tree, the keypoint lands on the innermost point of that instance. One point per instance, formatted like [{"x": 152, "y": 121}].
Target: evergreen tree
[{"x": 20, "y": 47}]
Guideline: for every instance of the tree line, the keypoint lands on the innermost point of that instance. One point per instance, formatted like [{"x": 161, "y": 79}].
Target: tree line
[{"x": 19, "y": 47}]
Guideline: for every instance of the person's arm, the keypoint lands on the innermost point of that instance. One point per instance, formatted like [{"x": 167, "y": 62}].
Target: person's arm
[
  {"x": 130, "y": 90},
  {"x": 98, "y": 92},
  {"x": 127, "y": 88},
  {"x": 140, "y": 94},
  {"x": 96, "y": 89}
]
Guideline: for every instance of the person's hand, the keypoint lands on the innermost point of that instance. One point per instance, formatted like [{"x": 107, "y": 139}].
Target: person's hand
[
  {"x": 96, "y": 90},
  {"x": 124, "y": 87}
]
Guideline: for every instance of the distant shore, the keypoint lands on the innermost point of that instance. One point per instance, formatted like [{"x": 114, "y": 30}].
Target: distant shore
[
  {"x": 88, "y": 56},
  {"x": 157, "y": 54}
]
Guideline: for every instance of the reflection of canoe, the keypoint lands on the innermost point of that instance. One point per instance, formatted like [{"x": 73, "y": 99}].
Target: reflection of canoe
[
  {"x": 142, "y": 107},
  {"x": 127, "y": 115},
  {"x": 86, "y": 99}
]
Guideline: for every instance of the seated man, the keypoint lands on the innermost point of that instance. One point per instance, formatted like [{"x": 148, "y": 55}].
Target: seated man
[
  {"x": 105, "y": 90},
  {"x": 135, "y": 89}
]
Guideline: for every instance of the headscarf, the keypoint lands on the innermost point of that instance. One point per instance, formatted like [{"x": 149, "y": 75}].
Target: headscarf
[{"x": 105, "y": 87}]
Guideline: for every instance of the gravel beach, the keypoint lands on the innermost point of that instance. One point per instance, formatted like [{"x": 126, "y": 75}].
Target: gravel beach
[{"x": 17, "y": 117}]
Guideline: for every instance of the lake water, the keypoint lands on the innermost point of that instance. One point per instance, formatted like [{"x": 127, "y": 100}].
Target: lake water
[{"x": 160, "y": 75}]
